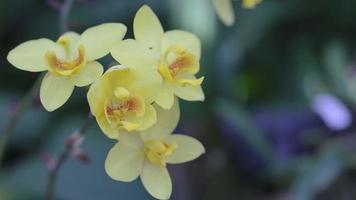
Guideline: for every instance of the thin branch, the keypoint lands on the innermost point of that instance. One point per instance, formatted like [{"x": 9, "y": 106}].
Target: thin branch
[
  {"x": 53, "y": 173},
  {"x": 64, "y": 15},
  {"x": 21, "y": 107}
]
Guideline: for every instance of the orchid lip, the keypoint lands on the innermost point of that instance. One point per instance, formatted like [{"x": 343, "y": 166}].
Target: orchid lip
[
  {"x": 177, "y": 60},
  {"x": 121, "y": 106},
  {"x": 65, "y": 68}
]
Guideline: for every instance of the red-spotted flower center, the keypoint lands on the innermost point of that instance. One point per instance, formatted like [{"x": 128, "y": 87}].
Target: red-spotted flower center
[
  {"x": 176, "y": 63},
  {"x": 66, "y": 66},
  {"x": 124, "y": 109}
]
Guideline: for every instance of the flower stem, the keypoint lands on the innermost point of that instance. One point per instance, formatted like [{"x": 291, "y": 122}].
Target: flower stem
[
  {"x": 22, "y": 106},
  {"x": 53, "y": 173},
  {"x": 64, "y": 15}
]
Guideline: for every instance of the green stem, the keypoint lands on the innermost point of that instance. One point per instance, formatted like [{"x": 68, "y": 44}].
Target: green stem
[{"x": 22, "y": 106}]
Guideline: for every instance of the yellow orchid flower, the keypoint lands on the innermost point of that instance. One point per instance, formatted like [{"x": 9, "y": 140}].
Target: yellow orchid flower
[
  {"x": 250, "y": 4},
  {"x": 175, "y": 54},
  {"x": 146, "y": 154},
  {"x": 121, "y": 99},
  {"x": 225, "y": 11},
  {"x": 70, "y": 61}
]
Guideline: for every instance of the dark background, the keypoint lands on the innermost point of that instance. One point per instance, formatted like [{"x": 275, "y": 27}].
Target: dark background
[{"x": 259, "y": 124}]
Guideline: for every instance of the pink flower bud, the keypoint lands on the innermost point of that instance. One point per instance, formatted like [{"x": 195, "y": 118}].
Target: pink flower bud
[
  {"x": 81, "y": 155},
  {"x": 49, "y": 160},
  {"x": 75, "y": 140}
]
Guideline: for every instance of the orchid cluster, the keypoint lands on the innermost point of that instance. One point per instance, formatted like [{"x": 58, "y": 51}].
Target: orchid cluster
[{"x": 135, "y": 102}]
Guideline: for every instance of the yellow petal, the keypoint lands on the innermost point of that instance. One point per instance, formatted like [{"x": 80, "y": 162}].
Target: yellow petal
[
  {"x": 167, "y": 121},
  {"x": 156, "y": 180},
  {"x": 139, "y": 81},
  {"x": 193, "y": 82},
  {"x": 165, "y": 98},
  {"x": 97, "y": 94},
  {"x": 130, "y": 126},
  {"x": 110, "y": 132},
  {"x": 186, "y": 40},
  {"x": 55, "y": 91},
  {"x": 225, "y": 11},
  {"x": 72, "y": 36},
  {"x": 187, "y": 91},
  {"x": 149, "y": 118},
  {"x": 30, "y": 55},
  {"x": 90, "y": 73},
  {"x": 148, "y": 29},
  {"x": 124, "y": 162},
  {"x": 188, "y": 149},
  {"x": 132, "y": 54},
  {"x": 133, "y": 140},
  {"x": 99, "y": 40}
]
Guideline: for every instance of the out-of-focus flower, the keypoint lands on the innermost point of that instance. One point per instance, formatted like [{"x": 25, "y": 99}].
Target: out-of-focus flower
[
  {"x": 121, "y": 99},
  {"x": 75, "y": 140},
  {"x": 74, "y": 145},
  {"x": 81, "y": 155},
  {"x": 251, "y": 3},
  {"x": 225, "y": 10},
  {"x": 147, "y": 153},
  {"x": 70, "y": 61},
  {"x": 175, "y": 54},
  {"x": 332, "y": 111}
]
